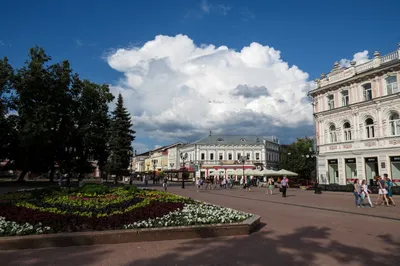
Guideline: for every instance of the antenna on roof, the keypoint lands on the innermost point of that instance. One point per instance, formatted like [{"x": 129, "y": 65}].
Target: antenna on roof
[{"x": 210, "y": 132}]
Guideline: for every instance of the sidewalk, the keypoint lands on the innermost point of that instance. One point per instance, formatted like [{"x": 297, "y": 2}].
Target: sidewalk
[{"x": 341, "y": 202}]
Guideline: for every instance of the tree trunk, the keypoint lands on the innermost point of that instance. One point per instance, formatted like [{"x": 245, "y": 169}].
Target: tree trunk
[
  {"x": 22, "y": 176},
  {"x": 80, "y": 177},
  {"x": 52, "y": 172}
]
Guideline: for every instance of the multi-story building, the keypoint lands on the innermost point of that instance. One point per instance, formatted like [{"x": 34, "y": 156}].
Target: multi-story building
[
  {"x": 357, "y": 120},
  {"x": 155, "y": 160},
  {"x": 138, "y": 161},
  {"x": 218, "y": 153}
]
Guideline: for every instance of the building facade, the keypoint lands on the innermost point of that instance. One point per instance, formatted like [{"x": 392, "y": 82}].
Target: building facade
[
  {"x": 138, "y": 162},
  {"x": 357, "y": 120},
  {"x": 218, "y": 153},
  {"x": 156, "y": 160}
]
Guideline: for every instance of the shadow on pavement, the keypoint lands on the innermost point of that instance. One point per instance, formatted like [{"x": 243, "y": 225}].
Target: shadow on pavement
[
  {"x": 85, "y": 255},
  {"x": 304, "y": 247}
]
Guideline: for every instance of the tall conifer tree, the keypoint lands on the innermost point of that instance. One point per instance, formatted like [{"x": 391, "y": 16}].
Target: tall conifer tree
[{"x": 121, "y": 138}]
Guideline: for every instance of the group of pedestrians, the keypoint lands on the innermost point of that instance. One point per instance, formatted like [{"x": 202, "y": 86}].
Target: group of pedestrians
[
  {"x": 385, "y": 194},
  {"x": 283, "y": 186},
  {"x": 211, "y": 183}
]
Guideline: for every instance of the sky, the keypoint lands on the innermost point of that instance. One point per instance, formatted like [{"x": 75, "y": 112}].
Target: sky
[{"x": 188, "y": 67}]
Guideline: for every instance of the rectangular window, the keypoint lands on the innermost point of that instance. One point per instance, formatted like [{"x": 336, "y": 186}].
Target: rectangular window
[
  {"x": 331, "y": 102},
  {"x": 211, "y": 156},
  {"x": 367, "y": 92},
  {"x": 391, "y": 84},
  {"x": 239, "y": 155},
  {"x": 257, "y": 156},
  {"x": 221, "y": 156},
  {"x": 345, "y": 98},
  {"x": 347, "y": 134},
  {"x": 370, "y": 132},
  {"x": 229, "y": 156},
  {"x": 248, "y": 156},
  {"x": 203, "y": 156}
]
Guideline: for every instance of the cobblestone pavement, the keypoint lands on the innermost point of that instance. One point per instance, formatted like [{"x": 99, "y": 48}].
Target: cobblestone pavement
[{"x": 303, "y": 229}]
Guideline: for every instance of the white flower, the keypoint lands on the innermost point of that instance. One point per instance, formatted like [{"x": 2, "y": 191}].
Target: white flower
[
  {"x": 10, "y": 228},
  {"x": 192, "y": 214}
]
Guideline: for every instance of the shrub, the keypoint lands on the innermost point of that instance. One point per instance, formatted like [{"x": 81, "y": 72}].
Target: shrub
[
  {"x": 131, "y": 188},
  {"x": 93, "y": 189}
]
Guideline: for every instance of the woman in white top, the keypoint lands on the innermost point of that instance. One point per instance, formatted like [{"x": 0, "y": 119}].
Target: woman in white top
[{"x": 365, "y": 192}]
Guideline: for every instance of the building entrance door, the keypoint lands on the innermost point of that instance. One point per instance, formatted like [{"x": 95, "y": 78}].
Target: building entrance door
[
  {"x": 371, "y": 168},
  {"x": 350, "y": 169},
  {"x": 333, "y": 173}
]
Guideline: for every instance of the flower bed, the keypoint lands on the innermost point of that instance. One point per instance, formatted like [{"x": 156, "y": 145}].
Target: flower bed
[
  {"x": 193, "y": 214},
  {"x": 102, "y": 208}
]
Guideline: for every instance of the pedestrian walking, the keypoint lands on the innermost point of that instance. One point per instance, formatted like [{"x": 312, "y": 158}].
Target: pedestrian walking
[
  {"x": 389, "y": 184},
  {"x": 198, "y": 184},
  {"x": 284, "y": 186},
  {"x": 365, "y": 191},
  {"x": 270, "y": 186},
  {"x": 357, "y": 193},
  {"x": 382, "y": 192},
  {"x": 165, "y": 183}
]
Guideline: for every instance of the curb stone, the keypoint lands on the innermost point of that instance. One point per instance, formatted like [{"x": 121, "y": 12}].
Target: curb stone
[{"x": 130, "y": 235}]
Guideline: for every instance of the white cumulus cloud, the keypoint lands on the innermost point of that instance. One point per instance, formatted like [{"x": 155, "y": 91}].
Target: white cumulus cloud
[
  {"x": 359, "y": 58},
  {"x": 176, "y": 89}
]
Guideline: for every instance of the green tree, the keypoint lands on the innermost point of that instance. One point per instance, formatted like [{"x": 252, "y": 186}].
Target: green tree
[
  {"x": 92, "y": 122},
  {"x": 299, "y": 157},
  {"x": 121, "y": 139},
  {"x": 6, "y": 121},
  {"x": 44, "y": 108}
]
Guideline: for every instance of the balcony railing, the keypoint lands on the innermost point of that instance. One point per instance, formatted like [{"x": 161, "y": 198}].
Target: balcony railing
[
  {"x": 339, "y": 73},
  {"x": 390, "y": 57},
  {"x": 364, "y": 67}
]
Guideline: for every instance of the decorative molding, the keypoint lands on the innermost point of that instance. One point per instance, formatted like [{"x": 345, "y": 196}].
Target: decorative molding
[
  {"x": 347, "y": 146},
  {"x": 370, "y": 144},
  {"x": 394, "y": 141}
]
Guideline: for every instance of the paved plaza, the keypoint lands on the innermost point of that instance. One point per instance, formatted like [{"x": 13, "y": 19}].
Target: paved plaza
[{"x": 303, "y": 229}]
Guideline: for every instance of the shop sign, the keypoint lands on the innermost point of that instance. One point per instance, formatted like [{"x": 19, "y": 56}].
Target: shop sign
[
  {"x": 350, "y": 160},
  {"x": 333, "y": 161},
  {"x": 371, "y": 160},
  {"x": 395, "y": 159}
]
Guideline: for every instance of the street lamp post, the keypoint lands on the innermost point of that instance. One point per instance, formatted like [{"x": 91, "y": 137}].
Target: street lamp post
[
  {"x": 183, "y": 157},
  {"x": 70, "y": 151},
  {"x": 243, "y": 159},
  {"x": 154, "y": 170},
  {"x": 200, "y": 163},
  {"x": 169, "y": 174}
]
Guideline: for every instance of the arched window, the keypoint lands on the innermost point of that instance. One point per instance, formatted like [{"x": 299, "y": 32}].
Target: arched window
[
  {"x": 369, "y": 128},
  {"x": 347, "y": 131},
  {"x": 332, "y": 133},
  {"x": 392, "y": 85},
  {"x": 394, "y": 122}
]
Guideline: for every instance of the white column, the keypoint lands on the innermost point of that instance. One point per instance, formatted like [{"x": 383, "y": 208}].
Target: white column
[
  {"x": 355, "y": 127},
  {"x": 379, "y": 122}
]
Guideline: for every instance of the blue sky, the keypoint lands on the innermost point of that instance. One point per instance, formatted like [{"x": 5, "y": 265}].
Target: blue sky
[{"x": 309, "y": 34}]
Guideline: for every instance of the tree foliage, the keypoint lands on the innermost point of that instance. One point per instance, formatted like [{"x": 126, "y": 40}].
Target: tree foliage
[
  {"x": 61, "y": 122},
  {"x": 299, "y": 157},
  {"x": 121, "y": 138},
  {"x": 7, "y": 122}
]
